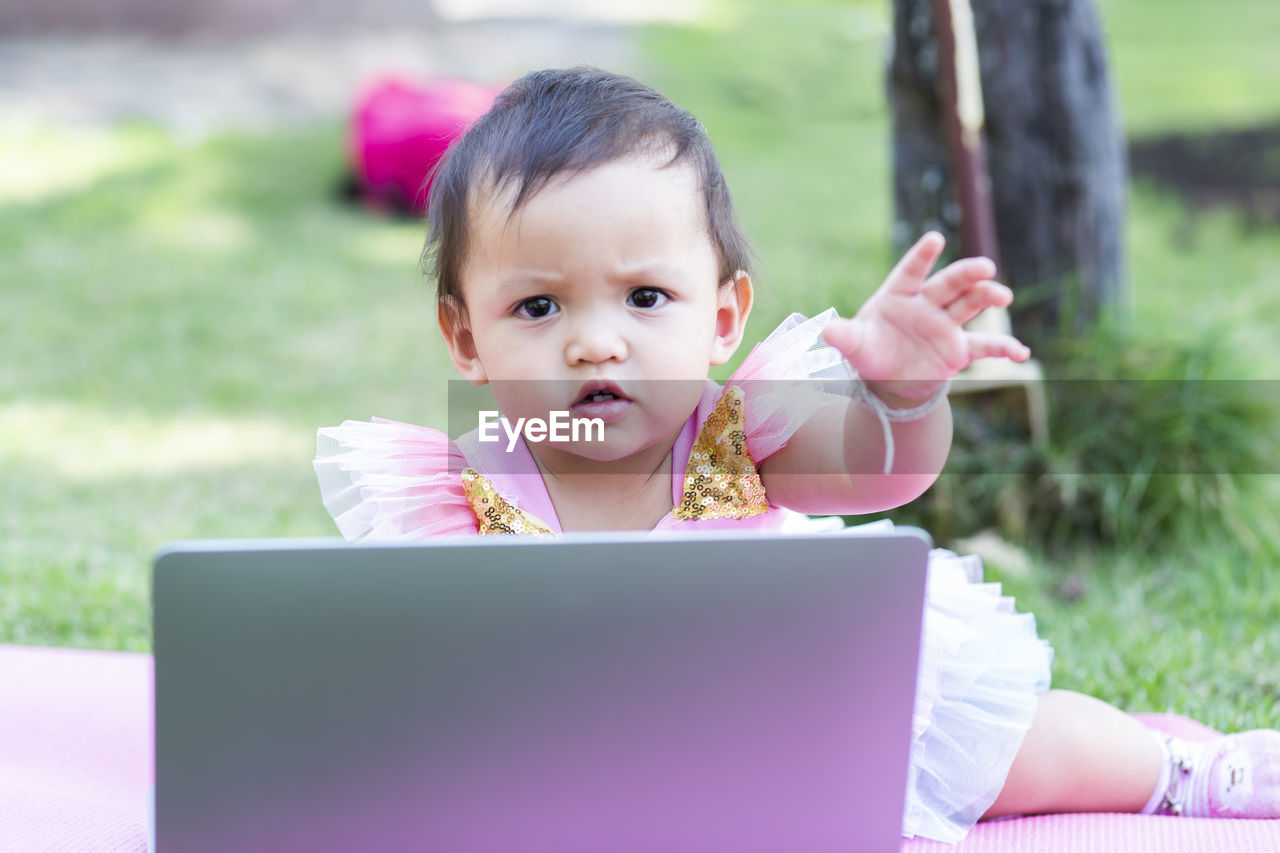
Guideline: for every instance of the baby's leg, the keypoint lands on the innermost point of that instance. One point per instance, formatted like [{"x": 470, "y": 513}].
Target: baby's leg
[{"x": 1081, "y": 755}]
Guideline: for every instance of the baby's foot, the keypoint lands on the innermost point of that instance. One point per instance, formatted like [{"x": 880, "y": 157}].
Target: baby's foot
[{"x": 1233, "y": 776}]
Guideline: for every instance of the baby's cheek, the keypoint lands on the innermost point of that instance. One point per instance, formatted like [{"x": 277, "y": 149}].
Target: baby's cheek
[
  {"x": 674, "y": 400},
  {"x": 513, "y": 360},
  {"x": 529, "y": 398},
  {"x": 685, "y": 354}
]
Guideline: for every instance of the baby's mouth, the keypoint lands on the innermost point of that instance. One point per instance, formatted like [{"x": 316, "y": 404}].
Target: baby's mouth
[{"x": 601, "y": 400}]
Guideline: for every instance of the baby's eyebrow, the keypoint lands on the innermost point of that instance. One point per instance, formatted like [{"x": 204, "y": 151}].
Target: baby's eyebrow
[
  {"x": 647, "y": 271},
  {"x": 524, "y": 279}
]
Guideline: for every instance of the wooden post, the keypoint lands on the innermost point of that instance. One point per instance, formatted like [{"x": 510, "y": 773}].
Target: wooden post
[
  {"x": 962, "y": 115},
  {"x": 1054, "y": 145},
  {"x": 962, "y": 119}
]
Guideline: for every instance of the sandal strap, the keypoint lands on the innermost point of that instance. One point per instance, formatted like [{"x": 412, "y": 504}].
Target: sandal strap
[{"x": 1175, "y": 796}]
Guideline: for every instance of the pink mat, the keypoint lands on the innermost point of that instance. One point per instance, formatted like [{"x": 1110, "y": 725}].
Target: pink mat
[
  {"x": 75, "y": 749},
  {"x": 75, "y": 766}
]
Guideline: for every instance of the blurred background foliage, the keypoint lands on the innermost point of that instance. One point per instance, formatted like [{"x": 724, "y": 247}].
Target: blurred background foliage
[{"x": 182, "y": 313}]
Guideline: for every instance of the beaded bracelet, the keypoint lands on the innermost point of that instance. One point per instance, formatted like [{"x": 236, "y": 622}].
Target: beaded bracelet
[{"x": 886, "y": 413}]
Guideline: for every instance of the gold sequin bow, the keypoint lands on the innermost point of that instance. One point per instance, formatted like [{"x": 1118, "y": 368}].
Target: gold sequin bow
[
  {"x": 721, "y": 480},
  {"x": 494, "y": 512}
]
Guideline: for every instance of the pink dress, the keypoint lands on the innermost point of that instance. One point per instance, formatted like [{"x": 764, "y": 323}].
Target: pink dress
[{"x": 982, "y": 664}]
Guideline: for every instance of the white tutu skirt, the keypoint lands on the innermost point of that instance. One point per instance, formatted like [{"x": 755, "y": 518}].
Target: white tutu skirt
[{"x": 982, "y": 667}]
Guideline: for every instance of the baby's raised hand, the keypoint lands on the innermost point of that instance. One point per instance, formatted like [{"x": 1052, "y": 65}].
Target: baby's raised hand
[{"x": 909, "y": 337}]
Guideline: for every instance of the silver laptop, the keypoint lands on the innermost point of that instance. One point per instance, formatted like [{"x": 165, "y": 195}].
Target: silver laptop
[{"x": 603, "y": 693}]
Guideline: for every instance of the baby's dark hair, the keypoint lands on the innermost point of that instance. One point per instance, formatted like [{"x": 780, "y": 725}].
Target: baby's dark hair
[{"x": 564, "y": 122}]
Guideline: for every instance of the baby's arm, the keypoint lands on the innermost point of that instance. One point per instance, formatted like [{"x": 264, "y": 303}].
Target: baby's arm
[{"x": 906, "y": 342}]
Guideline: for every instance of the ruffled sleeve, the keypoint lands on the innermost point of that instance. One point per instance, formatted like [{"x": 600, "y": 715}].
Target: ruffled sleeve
[
  {"x": 786, "y": 378},
  {"x": 387, "y": 481}
]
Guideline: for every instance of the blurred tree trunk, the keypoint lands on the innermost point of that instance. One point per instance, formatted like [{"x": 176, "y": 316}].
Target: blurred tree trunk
[{"x": 1054, "y": 149}]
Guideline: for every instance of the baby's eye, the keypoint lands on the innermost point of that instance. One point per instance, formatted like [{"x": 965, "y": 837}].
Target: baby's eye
[
  {"x": 646, "y": 297},
  {"x": 536, "y": 308}
]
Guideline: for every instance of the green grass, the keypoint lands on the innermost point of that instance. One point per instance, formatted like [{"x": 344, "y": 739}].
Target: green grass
[
  {"x": 178, "y": 319},
  {"x": 1191, "y": 632},
  {"x": 1192, "y": 65}
]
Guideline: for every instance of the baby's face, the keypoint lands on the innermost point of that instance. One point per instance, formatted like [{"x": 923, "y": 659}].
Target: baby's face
[{"x": 607, "y": 283}]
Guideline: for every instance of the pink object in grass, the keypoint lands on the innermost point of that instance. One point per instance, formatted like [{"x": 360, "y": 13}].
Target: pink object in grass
[{"x": 401, "y": 128}]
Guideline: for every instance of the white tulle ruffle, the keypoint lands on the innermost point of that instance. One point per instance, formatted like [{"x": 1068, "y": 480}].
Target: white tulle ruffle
[
  {"x": 778, "y": 379},
  {"x": 392, "y": 482},
  {"x": 982, "y": 669}
]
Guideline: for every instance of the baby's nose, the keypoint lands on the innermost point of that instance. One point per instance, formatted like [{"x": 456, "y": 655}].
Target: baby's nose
[{"x": 594, "y": 341}]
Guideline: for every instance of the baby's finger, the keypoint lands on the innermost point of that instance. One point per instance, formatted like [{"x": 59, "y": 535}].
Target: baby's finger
[
  {"x": 957, "y": 279},
  {"x": 908, "y": 275},
  {"x": 845, "y": 335},
  {"x": 987, "y": 345},
  {"x": 984, "y": 295}
]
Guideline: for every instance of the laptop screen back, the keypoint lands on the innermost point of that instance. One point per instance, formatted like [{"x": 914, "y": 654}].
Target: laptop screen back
[{"x": 595, "y": 693}]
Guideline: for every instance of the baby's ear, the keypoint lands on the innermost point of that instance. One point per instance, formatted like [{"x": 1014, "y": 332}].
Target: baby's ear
[
  {"x": 734, "y": 306},
  {"x": 452, "y": 316}
]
